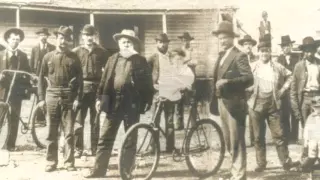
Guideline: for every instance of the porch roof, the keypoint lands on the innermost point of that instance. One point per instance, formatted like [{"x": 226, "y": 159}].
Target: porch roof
[{"x": 115, "y": 5}]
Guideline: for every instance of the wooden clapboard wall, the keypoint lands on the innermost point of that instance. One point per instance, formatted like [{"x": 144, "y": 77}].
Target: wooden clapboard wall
[{"x": 198, "y": 25}]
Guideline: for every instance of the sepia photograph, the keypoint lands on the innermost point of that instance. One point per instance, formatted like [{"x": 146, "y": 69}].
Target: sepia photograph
[{"x": 159, "y": 89}]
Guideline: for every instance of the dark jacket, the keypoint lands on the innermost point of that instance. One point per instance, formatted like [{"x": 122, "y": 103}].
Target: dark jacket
[
  {"x": 60, "y": 68},
  {"x": 22, "y": 82},
  {"x": 36, "y": 57},
  {"x": 238, "y": 72},
  {"x": 294, "y": 59},
  {"x": 141, "y": 77},
  {"x": 153, "y": 62},
  {"x": 299, "y": 81},
  {"x": 263, "y": 27},
  {"x": 98, "y": 57}
]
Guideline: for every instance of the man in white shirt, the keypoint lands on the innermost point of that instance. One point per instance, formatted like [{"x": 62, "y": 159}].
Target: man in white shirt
[{"x": 271, "y": 80}]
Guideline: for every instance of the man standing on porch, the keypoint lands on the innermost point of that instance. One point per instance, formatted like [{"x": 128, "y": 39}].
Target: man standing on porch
[{"x": 93, "y": 57}]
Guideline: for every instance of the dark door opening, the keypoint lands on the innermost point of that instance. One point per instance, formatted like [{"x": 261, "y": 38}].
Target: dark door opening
[{"x": 110, "y": 25}]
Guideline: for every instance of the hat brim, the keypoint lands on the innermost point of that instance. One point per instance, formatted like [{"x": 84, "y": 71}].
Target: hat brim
[
  {"x": 41, "y": 32},
  {"x": 117, "y": 36},
  {"x": 291, "y": 42},
  {"x": 308, "y": 46},
  {"x": 242, "y": 41},
  {"x": 163, "y": 40},
  {"x": 68, "y": 38},
  {"x": 187, "y": 38},
  {"x": 14, "y": 30},
  {"x": 215, "y": 33}
]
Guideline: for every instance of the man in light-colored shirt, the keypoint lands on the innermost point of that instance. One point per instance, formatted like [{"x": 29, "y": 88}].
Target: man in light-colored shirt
[{"x": 271, "y": 80}]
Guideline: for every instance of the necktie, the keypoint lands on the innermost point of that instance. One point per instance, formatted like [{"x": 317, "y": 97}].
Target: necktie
[{"x": 221, "y": 54}]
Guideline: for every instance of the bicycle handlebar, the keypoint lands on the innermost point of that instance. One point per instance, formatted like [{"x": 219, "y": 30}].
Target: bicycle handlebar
[{"x": 18, "y": 72}]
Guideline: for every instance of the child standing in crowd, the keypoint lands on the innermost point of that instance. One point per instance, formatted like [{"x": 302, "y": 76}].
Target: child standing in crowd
[{"x": 312, "y": 137}]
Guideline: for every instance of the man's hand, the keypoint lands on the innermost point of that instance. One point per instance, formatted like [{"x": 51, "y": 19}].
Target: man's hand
[
  {"x": 42, "y": 104},
  {"x": 76, "y": 105},
  {"x": 280, "y": 94},
  {"x": 98, "y": 106},
  {"x": 220, "y": 83}
]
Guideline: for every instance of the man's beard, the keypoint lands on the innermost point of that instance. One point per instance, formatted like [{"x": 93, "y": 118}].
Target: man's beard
[{"x": 163, "y": 50}]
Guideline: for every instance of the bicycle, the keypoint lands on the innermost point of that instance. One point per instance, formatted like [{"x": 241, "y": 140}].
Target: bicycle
[
  {"x": 195, "y": 145},
  {"x": 6, "y": 109}
]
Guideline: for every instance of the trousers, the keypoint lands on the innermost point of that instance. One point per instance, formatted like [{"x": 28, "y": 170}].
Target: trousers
[
  {"x": 60, "y": 113},
  {"x": 89, "y": 100}
]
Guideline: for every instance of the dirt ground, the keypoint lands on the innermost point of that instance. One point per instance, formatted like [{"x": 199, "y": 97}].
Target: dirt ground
[{"x": 28, "y": 162}]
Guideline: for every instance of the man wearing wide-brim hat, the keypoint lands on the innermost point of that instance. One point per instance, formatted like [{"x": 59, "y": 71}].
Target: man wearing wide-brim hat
[
  {"x": 125, "y": 91},
  {"x": 289, "y": 61},
  {"x": 93, "y": 58},
  {"x": 232, "y": 75},
  {"x": 39, "y": 50},
  {"x": 14, "y": 59},
  {"x": 306, "y": 81},
  {"x": 61, "y": 98},
  {"x": 271, "y": 81}
]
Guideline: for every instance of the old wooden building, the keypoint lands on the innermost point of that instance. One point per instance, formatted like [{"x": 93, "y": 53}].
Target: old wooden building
[{"x": 147, "y": 17}]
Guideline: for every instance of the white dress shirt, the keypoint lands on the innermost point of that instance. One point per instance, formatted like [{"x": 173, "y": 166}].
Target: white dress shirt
[
  {"x": 265, "y": 77},
  {"x": 313, "y": 74}
]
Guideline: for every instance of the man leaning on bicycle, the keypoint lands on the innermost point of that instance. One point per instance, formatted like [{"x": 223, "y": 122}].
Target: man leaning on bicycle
[{"x": 170, "y": 77}]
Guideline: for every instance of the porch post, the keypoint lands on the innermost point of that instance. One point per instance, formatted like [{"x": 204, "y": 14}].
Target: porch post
[
  {"x": 164, "y": 23},
  {"x": 92, "y": 19},
  {"x": 18, "y": 17}
]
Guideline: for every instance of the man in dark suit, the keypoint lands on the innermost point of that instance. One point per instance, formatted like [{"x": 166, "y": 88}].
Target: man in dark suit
[
  {"x": 288, "y": 60},
  {"x": 232, "y": 75},
  {"x": 13, "y": 58},
  {"x": 38, "y": 51},
  {"x": 306, "y": 81},
  {"x": 247, "y": 42},
  {"x": 125, "y": 91}
]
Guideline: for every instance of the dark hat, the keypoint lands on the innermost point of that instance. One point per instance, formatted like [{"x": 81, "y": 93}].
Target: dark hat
[
  {"x": 179, "y": 51},
  {"x": 186, "y": 36},
  {"x": 128, "y": 33},
  {"x": 15, "y": 31},
  {"x": 43, "y": 31},
  {"x": 285, "y": 40},
  {"x": 307, "y": 43},
  {"x": 264, "y": 44},
  {"x": 65, "y": 31},
  {"x": 247, "y": 38},
  {"x": 88, "y": 29},
  {"x": 316, "y": 101},
  {"x": 162, "y": 37},
  {"x": 225, "y": 27}
]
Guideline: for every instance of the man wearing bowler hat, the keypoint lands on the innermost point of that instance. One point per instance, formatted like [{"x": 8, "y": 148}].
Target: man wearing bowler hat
[
  {"x": 247, "y": 43},
  {"x": 125, "y": 91},
  {"x": 93, "y": 58},
  {"x": 61, "y": 98},
  {"x": 232, "y": 75},
  {"x": 38, "y": 51},
  {"x": 14, "y": 59},
  {"x": 289, "y": 61},
  {"x": 162, "y": 65},
  {"x": 306, "y": 81}
]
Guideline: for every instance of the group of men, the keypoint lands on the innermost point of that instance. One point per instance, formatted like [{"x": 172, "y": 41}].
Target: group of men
[
  {"x": 278, "y": 92},
  {"x": 87, "y": 77}
]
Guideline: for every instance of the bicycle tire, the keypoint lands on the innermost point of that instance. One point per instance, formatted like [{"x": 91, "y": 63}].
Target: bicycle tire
[
  {"x": 40, "y": 143},
  {"x": 121, "y": 158},
  {"x": 4, "y": 130},
  {"x": 193, "y": 168}
]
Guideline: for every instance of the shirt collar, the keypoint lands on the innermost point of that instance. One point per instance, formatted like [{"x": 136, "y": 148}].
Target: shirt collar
[
  {"x": 309, "y": 63},
  {"x": 58, "y": 51}
]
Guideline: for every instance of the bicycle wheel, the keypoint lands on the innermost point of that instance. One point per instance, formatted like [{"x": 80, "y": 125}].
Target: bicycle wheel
[
  {"x": 4, "y": 124},
  {"x": 142, "y": 146},
  {"x": 205, "y": 148},
  {"x": 39, "y": 127}
]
